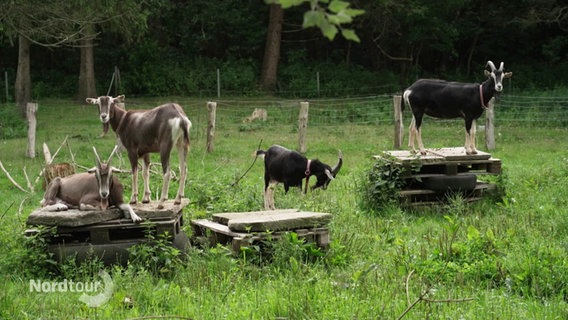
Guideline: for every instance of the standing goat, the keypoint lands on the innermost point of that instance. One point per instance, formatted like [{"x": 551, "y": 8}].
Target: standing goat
[
  {"x": 142, "y": 132},
  {"x": 290, "y": 167},
  {"x": 87, "y": 191},
  {"x": 448, "y": 100}
]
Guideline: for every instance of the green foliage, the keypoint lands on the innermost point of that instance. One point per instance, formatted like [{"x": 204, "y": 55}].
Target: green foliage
[
  {"x": 287, "y": 251},
  {"x": 380, "y": 186},
  {"x": 157, "y": 255},
  {"x": 12, "y": 125},
  {"x": 328, "y": 19},
  {"x": 34, "y": 259}
]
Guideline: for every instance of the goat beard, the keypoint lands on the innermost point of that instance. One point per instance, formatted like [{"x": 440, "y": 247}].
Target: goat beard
[
  {"x": 105, "y": 129},
  {"x": 104, "y": 204}
]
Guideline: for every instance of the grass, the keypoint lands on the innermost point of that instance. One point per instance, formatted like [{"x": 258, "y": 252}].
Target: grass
[{"x": 508, "y": 257}]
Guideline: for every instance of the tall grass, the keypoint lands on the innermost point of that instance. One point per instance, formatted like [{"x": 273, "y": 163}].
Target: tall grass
[{"x": 508, "y": 257}]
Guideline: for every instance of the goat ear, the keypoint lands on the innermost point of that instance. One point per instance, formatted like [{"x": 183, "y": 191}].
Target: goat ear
[
  {"x": 329, "y": 174},
  {"x": 487, "y": 73},
  {"x": 120, "y": 98},
  {"x": 507, "y": 75},
  {"x": 92, "y": 100},
  {"x": 92, "y": 170}
]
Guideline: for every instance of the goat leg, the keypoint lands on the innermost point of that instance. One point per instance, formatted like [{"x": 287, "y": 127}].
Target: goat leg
[
  {"x": 129, "y": 213},
  {"x": 146, "y": 178}
]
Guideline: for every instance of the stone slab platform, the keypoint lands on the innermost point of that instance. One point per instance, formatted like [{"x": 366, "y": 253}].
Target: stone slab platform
[
  {"x": 273, "y": 220},
  {"x": 435, "y": 155},
  {"x": 244, "y": 228},
  {"x": 78, "y": 218}
]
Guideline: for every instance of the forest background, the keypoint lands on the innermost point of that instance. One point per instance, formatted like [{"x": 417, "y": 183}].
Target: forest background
[{"x": 175, "y": 47}]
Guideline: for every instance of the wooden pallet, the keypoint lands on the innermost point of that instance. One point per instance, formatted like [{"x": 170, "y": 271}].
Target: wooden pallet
[
  {"x": 441, "y": 162},
  {"x": 110, "y": 240},
  {"x": 241, "y": 229}
]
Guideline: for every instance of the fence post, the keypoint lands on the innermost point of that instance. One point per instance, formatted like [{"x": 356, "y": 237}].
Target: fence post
[
  {"x": 303, "y": 126},
  {"x": 212, "y": 109},
  {"x": 117, "y": 84},
  {"x": 6, "y": 85},
  {"x": 31, "y": 109},
  {"x": 218, "y": 83},
  {"x": 398, "y": 124},
  {"x": 490, "y": 125}
]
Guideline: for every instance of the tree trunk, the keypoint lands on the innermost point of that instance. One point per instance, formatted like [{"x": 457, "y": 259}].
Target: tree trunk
[
  {"x": 87, "y": 86},
  {"x": 23, "y": 86},
  {"x": 269, "y": 76}
]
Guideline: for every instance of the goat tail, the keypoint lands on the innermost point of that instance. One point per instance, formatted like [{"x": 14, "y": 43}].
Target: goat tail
[
  {"x": 259, "y": 153},
  {"x": 255, "y": 154},
  {"x": 186, "y": 126},
  {"x": 402, "y": 103}
]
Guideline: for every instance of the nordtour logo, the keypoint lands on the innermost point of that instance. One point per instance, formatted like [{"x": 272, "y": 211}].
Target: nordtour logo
[{"x": 94, "y": 294}]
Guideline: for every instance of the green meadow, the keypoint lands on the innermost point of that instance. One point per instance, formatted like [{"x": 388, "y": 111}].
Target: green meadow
[{"x": 504, "y": 258}]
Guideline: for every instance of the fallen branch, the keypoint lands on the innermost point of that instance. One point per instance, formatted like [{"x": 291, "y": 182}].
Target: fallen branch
[
  {"x": 11, "y": 179},
  {"x": 52, "y": 157},
  {"x": 30, "y": 186},
  {"x": 422, "y": 297}
]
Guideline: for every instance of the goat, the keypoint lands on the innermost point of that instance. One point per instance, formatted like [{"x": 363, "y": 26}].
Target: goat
[
  {"x": 290, "y": 167},
  {"x": 448, "y": 100},
  {"x": 142, "y": 132},
  {"x": 87, "y": 191},
  {"x": 258, "y": 113}
]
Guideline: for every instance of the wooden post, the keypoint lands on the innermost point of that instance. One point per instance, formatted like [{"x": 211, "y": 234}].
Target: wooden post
[
  {"x": 218, "y": 83},
  {"x": 212, "y": 109},
  {"x": 31, "y": 109},
  {"x": 6, "y": 85},
  {"x": 490, "y": 125},
  {"x": 117, "y": 84},
  {"x": 303, "y": 126},
  {"x": 398, "y": 124}
]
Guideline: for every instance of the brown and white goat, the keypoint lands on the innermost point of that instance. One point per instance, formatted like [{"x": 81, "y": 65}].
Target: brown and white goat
[
  {"x": 448, "y": 100},
  {"x": 96, "y": 189},
  {"x": 142, "y": 132}
]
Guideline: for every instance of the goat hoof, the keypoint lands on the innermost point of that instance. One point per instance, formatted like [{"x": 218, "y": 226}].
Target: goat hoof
[{"x": 145, "y": 201}]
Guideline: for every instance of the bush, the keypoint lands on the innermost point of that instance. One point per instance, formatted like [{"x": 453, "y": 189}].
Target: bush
[
  {"x": 12, "y": 125},
  {"x": 381, "y": 184}
]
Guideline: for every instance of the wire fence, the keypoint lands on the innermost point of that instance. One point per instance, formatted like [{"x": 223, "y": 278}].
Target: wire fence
[{"x": 549, "y": 111}]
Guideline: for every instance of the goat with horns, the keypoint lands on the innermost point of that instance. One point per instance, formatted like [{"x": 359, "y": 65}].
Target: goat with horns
[
  {"x": 290, "y": 168},
  {"x": 143, "y": 132},
  {"x": 96, "y": 189},
  {"x": 448, "y": 100}
]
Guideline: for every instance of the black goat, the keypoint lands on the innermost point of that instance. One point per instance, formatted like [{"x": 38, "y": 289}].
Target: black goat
[
  {"x": 290, "y": 168},
  {"x": 448, "y": 100}
]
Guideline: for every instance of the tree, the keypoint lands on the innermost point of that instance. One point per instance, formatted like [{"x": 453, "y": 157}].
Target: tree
[
  {"x": 268, "y": 78},
  {"x": 127, "y": 18},
  {"x": 330, "y": 20},
  {"x": 36, "y": 22}
]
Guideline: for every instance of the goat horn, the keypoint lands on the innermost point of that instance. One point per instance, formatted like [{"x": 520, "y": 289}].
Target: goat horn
[
  {"x": 501, "y": 66},
  {"x": 112, "y": 153},
  {"x": 97, "y": 155},
  {"x": 490, "y": 64},
  {"x": 336, "y": 168}
]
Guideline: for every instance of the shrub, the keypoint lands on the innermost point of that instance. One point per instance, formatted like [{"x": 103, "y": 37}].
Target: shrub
[{"x": 12, "y": 125}]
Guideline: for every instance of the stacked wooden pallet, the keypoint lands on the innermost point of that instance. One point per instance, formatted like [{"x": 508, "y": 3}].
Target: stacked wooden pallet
[
  {"x": 430, "y": 177},
  {"x": 106, "y": 234},
  {"x": 242, "y": 229}
]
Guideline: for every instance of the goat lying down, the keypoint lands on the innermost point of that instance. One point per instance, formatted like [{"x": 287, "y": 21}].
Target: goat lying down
[
  {"x": 290, "y": 168},
  {"x": 96, "y": 189},
  {"x": 448, "y": 100}
]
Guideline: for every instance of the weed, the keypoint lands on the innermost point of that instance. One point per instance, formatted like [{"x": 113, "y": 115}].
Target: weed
[{"x": 157, "y": 254}]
